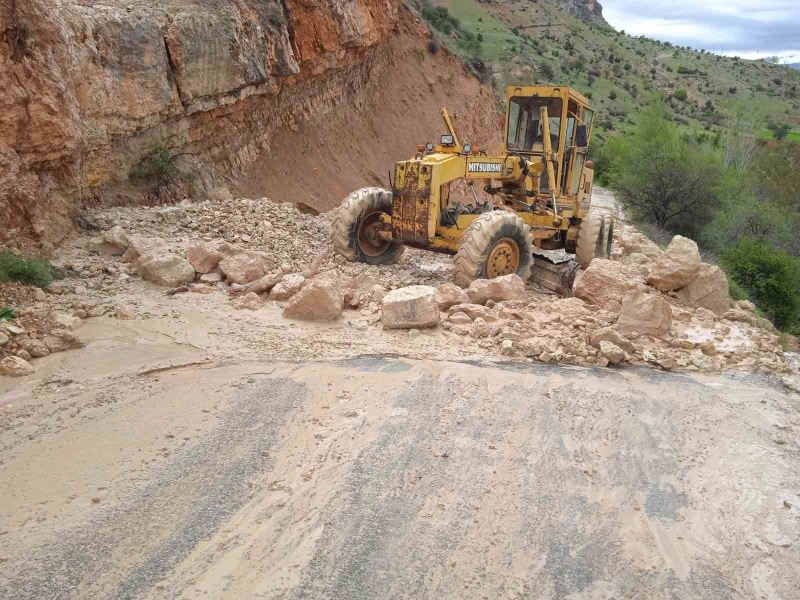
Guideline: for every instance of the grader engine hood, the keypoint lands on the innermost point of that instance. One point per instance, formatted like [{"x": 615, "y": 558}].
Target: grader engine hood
[{"x": 411, "y": 201}]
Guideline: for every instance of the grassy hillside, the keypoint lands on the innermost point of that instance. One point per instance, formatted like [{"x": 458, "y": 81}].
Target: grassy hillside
[{"x": 523, "y": 41}]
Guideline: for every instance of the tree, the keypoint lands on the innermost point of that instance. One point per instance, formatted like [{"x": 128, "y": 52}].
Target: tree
[
  {"x": 779, "y": 131},
  {"x": 660, "y": 177},
  {"x": 771, "y": 278}
]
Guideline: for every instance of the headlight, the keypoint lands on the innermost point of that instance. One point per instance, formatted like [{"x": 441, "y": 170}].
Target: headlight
[
  {"x": 447, "y": 140},
  {"x": 467, "y": 148},
  {"x": 429, "y": 146}
]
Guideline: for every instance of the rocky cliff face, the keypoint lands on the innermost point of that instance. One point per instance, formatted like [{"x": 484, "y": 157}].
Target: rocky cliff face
[
  {"x": 89, "y": 88},
  {"x": 590, "y": 11}
]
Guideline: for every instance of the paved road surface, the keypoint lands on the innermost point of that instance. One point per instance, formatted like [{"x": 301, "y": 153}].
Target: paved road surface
[{"x": 382, "y": 478}]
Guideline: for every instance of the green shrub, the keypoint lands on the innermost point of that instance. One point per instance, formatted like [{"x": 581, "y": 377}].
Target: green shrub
[
  {"x": 156, "y": 168},
  {"x": 7, "y": 313},
  {"x": 30, "y": 271},
  {"x": 736, "y": 291},
  {"x": 770, "y": 277},
  {"x": 681, "y": 94}
]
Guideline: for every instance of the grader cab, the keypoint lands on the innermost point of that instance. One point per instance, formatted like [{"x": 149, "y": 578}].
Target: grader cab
[{"x": 534, "y": 195}]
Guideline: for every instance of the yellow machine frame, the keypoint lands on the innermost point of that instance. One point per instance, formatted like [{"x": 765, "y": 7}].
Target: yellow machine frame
[{"x": 421, "y": 185}]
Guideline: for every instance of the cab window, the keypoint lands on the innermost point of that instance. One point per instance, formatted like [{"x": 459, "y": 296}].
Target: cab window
[{"x": 525, "y": 130}]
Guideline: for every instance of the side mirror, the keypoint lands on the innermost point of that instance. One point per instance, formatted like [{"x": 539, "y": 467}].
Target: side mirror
[{"x": 581, "y": 137}]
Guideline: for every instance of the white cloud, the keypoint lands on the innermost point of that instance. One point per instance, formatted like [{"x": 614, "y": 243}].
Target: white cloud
[{"x": 758, "y": 27}]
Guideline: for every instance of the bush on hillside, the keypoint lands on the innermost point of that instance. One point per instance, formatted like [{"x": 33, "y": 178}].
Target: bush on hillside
[
  {"x": 662, "y": 178},
  {"x": 27, "y": 270},
  {"x": 770, "y": 277}
]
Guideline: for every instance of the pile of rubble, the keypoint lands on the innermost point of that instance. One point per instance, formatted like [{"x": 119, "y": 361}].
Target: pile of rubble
[
  {"x": 36, "y": 331},
  {"x": 643, "y": 306}
]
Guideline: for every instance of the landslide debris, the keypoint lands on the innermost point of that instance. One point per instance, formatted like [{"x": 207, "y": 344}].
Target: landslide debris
[{"x": 269, "y": 258}]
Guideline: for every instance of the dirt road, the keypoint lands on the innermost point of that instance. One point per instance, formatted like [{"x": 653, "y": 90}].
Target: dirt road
[{"x": 156, "y": 473}]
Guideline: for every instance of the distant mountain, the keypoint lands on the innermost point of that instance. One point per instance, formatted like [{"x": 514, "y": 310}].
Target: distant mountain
[
  {"x": 794, "y": 66},
  {"x": 567, "y": 42}
]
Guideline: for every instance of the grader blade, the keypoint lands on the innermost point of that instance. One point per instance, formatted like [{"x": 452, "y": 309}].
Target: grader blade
[{"x": 554, "y": 270}]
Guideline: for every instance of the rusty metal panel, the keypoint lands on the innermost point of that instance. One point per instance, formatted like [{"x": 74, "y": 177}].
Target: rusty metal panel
[{"x": 411, "y": 203}]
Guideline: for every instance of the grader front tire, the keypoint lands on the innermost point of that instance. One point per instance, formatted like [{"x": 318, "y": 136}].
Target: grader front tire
[
  {"x": 590, "y": 239},
  {"x": 496, "y": 243},
  {"x": 354, "y": 227}
]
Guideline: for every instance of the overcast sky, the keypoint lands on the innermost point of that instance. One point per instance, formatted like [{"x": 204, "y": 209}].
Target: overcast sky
[{"x": 747, "y": 28}]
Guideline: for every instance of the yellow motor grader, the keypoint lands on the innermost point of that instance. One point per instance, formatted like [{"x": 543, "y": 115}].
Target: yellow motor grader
[{"x": 537, "y": 195}]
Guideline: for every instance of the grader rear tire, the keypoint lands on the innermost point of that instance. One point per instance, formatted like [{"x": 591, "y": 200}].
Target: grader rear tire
[
  {"x": 355, "y": 224},
  {"x": 608, "y": 236},
  {"x": 590, "y": 239},
  {"x": 496, "y": 243}
]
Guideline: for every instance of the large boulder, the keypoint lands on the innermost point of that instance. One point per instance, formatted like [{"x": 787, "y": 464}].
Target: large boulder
[
  {"x": 640, "y": 263},
  {"x": 505, "y": 287},
  {"x": 412, "y": 307},
  {"x": 14, "y": 366},
  {"x": 165, "y": 269},
  {"x": 708, "y": 290},
  {"x": 632, "y": 241},
  {"x": 645, "y": 313},
  {"x": 204, "y": 259},
  {"x": 139, "y": 246},
  {"x": 113, "y": 242},
  {"x": 287, "y": 287},
  {"x": 243, "y": 268},
  {"x": 678, "y": 266},
  {"x": 449, "y": 294},
  {"x": 320, "y": 300},
  {"x": 605, "y": 282}
]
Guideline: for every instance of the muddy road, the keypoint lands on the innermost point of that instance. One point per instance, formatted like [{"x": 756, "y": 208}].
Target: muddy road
[{"x": 392, "y": 478}]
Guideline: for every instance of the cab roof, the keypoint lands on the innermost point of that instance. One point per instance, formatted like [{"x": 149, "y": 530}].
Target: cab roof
[{"x": 546, "y": 91}]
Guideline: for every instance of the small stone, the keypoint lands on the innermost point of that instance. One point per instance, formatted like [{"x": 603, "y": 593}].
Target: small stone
[
  {"x": 14, "y": 366},
  {"x": 39, "y": 295},
  {"x": 667, "y": 363},
  {"x": 459, "y": 318},
  {"x": 211, "y": 277},
  {"x": 171, "y": 214},
  {"x": 448, "y": 294},
  {"x": 249, "y": 301},
  {"x": 612, "y": 352},
  {"x": 287, "y": 287},
  {"x": 506, "y": 347},
  {"x": 125, "y": 313},
  {"x": 67, "y": 321},
  {"x": 479, "y": 328}
]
